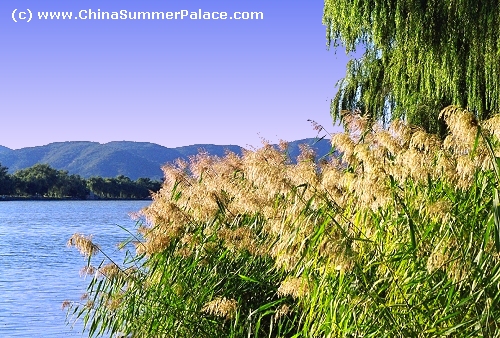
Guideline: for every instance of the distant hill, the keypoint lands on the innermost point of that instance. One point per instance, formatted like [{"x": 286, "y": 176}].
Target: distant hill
[
  {"x": 4, "y": 150},
  {"x": 132, "y": 159}
]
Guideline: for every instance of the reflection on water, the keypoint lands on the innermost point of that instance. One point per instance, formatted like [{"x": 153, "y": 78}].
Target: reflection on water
[{"x": 38, "y": 272}]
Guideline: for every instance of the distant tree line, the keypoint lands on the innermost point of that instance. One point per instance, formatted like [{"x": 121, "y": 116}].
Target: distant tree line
[{"x": 41, "y": 180}]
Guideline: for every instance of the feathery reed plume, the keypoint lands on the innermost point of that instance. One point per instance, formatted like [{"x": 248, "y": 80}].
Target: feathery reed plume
[
  {"x": 295, "y": 287},
  {"x": 394, "y": 238},
  {"x": 110, "y": 270},
  {"x": 87, "y": 270},
  {"x": 283, "y": 310},
  {"x": 222, "y": 307},
  {"x": 84, "y": 244}
]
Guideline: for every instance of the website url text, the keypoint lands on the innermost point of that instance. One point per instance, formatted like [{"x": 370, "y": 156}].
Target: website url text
[{"x": 89, "y": 14}]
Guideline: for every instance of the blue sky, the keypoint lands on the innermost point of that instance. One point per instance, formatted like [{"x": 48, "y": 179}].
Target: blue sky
[{"x": 171, "y": 82}]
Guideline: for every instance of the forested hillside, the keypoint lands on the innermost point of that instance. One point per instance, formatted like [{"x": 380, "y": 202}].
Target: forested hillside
[{"x": 131, "y": 159}]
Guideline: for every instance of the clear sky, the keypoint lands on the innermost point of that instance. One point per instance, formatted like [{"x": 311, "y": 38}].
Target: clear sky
[{"x": 171, "y": 82}]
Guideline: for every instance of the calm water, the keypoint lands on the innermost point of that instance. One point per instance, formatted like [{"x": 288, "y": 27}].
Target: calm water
[{"x": 38, "y": 272}]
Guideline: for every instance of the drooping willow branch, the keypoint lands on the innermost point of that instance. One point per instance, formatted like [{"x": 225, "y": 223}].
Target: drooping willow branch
[{"x": 420, "y": 56}]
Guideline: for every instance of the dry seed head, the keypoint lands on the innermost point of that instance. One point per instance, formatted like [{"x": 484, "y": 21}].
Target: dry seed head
[
  {"x": 436, "y": 260},
  {"x": 269, "y": 211},
  {"x": 439, "y": 211},
  {"x": 135, "y": 216},
  {"x": 84, "y": 244},
  {"x": 449, "y": 143},
  {"x": 485, "y": 162},
  {"x": 463, "y": 126},
  {"x": 339, "y": 256},
  {"x": 87, "y": 270},
  {"x": 425, "y": 142},
  {"x": 174, "y": 174},
  {"x": 239, "y": 239},
  {"x": 66, "y": 304},
  {"x": 348, "y": 181},
  {"x": 188, "y": 243},
  {"x": 415, "y": 164},
  {"x": 188, "y": 239},
  {"x": 167, "y": 214},
  {"x": 155, "y": 242},
  {"x": 306, "y": 153},
  {"x": 457, "y": 270},
  {"x": 202, "y": 199},
  {"x": 229, "y": 164},
  {"x": 182, "y": 165},
  {"x": 282, "y": 311},
  {"x": 401, "y": 132},
  {"x": 221, "y": 307},
  {"x": 114, "y": 302},
  {"x": 386, "y": 140},
  {"x": 371, "y": 159},
  {"x": 265, "y": 171},
  {"x": 184, "y": 252},
  {"x": 306, "y": 175},
  {"x": 89, "y": 304},
  {"x": 283, "y": 259},
  {"x": 371, "y": 190},
  {"x": 362, "y": 152},
  {"x": 345, "y": 145},
  {"x": 283, "y": 145},
  {"x": 445, "y": 167},
  {"x": 355, "y": 123},
  {"x": 316, "y": 126},
  {"x": 465, "y": 171},
  {"x": 330, "y": 177},
  {"x": 210, "y": 247},
  {"x": 110, "y": 271},
  {"x": 170, "y": 222},
  {"x": 201, "y": 163},
  {"x": 295, "y": 287},
  {"x": 493, "y": 125}
]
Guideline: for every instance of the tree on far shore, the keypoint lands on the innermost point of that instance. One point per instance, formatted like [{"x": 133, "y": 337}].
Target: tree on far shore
[
  {"x": 44, "y": 181},
  {"x": 36, "y": 180},
  {"x": 6, "y": 182}
]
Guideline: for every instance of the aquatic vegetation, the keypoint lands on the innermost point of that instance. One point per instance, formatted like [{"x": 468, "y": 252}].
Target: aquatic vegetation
[{"x": 398, "y": 238}]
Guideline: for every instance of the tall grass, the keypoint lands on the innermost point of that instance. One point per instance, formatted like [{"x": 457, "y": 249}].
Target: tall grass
[{"x": 401, "y": 238}]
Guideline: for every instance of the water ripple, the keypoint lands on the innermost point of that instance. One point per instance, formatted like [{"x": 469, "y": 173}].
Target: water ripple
[{"x": 38, "y": 272}]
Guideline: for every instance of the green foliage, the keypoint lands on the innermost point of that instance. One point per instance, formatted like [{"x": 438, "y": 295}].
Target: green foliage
[
  {"x": 165, "y": 295},
  {"x": 420, "y": 56},
  {"x": 122, "y": 187},
  {"x": 41, "y": 180},
  {"x": 431, "y": 280},
  {"x": 37, "y": 180},
  {"x": 400, "y": 240},
  {"x": 6, "y": 182},
  {"x": 68, "y": 186}
]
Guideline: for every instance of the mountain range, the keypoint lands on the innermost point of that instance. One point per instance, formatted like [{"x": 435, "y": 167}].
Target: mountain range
[{"x": 132, "y": 159}]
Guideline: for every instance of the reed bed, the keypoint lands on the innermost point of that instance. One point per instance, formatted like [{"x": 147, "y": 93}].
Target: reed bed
[{"x": 398, "y": 238}]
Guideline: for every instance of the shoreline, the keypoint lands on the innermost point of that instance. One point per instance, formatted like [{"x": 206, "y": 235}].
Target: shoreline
[{"x": 41, "y": 198}]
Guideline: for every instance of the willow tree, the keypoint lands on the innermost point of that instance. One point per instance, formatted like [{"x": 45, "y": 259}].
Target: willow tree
[{"x": 419, "y": 56}]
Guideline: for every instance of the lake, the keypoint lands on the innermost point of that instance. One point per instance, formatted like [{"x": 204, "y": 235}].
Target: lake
[{"x": 38, "y": 272}]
